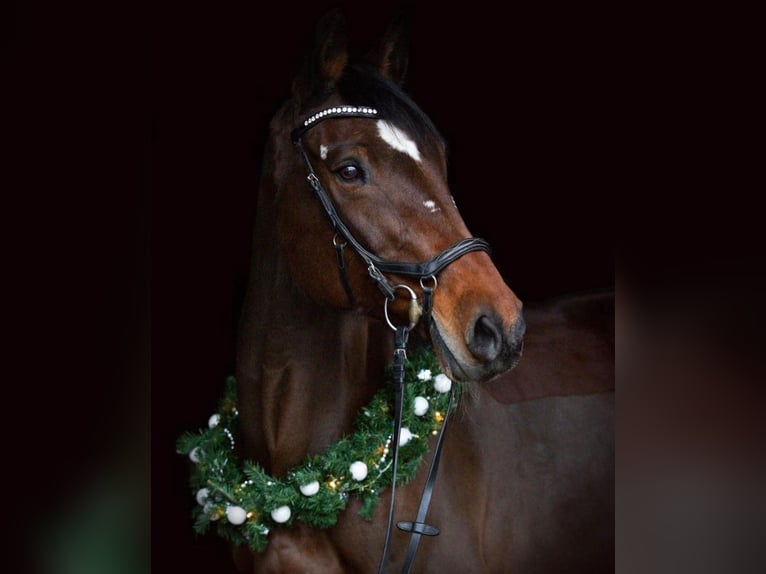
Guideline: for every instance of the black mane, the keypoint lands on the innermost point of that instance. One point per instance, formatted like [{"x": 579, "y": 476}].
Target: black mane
[{"x": 363, "y": 85}]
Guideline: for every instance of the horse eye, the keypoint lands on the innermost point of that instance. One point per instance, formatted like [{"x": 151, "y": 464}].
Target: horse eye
[{"x": 349, "y": 173}]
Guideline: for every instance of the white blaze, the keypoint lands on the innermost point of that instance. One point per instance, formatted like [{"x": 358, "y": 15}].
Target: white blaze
[
  {"x": 323, "y": 151},
  {"x": 397, "y": 139}
]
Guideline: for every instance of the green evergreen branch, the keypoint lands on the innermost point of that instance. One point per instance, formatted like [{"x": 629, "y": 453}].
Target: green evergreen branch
[
  {"x": 245, "y": 502},
  {"x": 221, "y": 490}
]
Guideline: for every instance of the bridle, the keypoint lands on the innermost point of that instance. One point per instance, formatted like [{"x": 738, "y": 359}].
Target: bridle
[
  {"x": 376, "y": 267},
  {"x": 425, "y": 272}
]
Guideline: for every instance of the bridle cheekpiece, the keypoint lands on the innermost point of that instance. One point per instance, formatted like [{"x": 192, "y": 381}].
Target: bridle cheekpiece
[
  {"x": 376, "y": 267},
  {"x": 425, "y": 272}
]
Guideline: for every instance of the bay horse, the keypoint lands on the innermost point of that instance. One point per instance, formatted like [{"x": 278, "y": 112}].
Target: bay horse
[{"x": 523, "y": 487}]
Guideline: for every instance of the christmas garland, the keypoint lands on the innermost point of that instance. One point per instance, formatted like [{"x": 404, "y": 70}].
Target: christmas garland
[{"x": 317, "y": 490}]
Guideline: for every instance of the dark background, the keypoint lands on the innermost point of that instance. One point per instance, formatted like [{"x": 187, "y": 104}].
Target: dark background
[
  {"x": 526, "y": 104},
  {"x": 136, "y": 136}
]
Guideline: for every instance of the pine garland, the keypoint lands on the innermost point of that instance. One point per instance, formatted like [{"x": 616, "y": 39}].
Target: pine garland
[{"x": 244, "y": 503}]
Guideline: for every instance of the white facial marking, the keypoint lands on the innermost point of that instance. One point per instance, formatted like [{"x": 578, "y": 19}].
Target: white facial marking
[
  {"x": 323, "y": 151},
  {"x": 397, "y": 139},
  {"x": 431, "y": 206}
]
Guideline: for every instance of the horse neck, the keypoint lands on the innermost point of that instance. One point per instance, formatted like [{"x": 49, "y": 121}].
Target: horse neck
[{"x": 303, "y": 371}]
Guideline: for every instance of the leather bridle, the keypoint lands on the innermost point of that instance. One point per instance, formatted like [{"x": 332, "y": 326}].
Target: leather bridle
[
  {"x": 425, "y": 272},
  {"x": 376, "y": 266}
]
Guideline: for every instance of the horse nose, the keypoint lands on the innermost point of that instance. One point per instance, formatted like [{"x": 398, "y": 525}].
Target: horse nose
[{"x": 486, "y": 337}]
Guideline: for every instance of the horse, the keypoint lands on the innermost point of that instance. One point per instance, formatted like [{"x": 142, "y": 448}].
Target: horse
[{"x": 358, "y": 244}]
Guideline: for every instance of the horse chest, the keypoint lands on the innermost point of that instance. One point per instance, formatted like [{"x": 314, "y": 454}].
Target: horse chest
[{"x": 294, "y": 550}]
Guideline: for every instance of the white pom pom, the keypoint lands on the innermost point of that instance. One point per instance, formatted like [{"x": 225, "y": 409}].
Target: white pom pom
[
  {"x": 309, "y": 489},
  {"x": 236, "y": 514},
  {"x": 281, "y": 514},
  {"x": 358, "y": 470},
  {"x": 202, "y": 495},
  {"x": 424, "y": 375},
  {"x": 213, "y": 421},
  {"x": 442, "y": 383},
  {"x": 404, "y": 436},
  {"x": 420, "y": 406},
  {"x": 194, "y": 454}
]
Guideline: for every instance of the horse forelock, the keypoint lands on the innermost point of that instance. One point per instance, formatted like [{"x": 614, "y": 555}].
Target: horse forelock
[
  {"x": 365, "y": 84},
  {"x": 362, "y": 84}
]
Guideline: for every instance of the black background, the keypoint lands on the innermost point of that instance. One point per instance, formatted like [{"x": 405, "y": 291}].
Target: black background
[
  {"x": 137, "y": 135},
  {"x": 526, "y": 102},
  {"x": 135, "y": 139}
]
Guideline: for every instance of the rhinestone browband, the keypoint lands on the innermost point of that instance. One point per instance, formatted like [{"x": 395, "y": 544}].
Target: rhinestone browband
[{"x": 334, "y": 112}]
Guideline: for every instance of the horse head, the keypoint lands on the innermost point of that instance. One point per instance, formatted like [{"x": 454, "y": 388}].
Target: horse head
[{"x": 378, "y": 165}]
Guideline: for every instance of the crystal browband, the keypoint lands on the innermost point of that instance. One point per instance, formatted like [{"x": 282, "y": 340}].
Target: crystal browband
[
  {"x": 339, "y": 111},
  {"x": 334, "y": 112}
]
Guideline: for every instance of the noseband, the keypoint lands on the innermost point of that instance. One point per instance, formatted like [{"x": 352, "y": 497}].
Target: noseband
[
  {"x": 425, "y": 271},
  {"x": 376, "y": 266}
]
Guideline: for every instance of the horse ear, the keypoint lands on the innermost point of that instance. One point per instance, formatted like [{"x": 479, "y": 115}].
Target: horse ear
[
  {"x": 392, "y": 55},
  {"x": 327, "y": 60}
]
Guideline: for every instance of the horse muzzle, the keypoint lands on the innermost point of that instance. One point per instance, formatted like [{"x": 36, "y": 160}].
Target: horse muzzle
[{"x": 487, "y": 349}]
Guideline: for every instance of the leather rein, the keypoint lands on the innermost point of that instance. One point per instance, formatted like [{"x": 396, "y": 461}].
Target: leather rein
[{"x": 425, "y": 271}]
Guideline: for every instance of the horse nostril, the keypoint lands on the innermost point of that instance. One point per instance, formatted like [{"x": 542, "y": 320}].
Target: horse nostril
[{"x": 485, "y": 339}]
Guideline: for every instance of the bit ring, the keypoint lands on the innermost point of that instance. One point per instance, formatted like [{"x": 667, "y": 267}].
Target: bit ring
[{"x": 413, "y": 306}]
